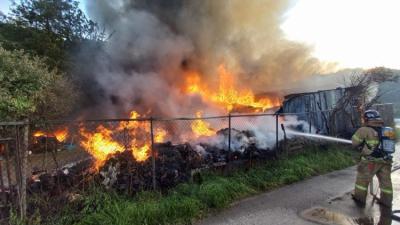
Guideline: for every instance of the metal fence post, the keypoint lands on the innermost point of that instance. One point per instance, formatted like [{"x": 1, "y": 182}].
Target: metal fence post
[
  {"x": 276, "y": 130},
  {"x": 46, "y": 149},
  {"x": 21, "y": 167},
  {"x": 309, "y": 122},
  {"x": 153, "y": 155},
  {"x": 17, "y": 166},
  {"x": 7, "y": 151},
  {"x": 328, "y": 124},
  {"x": 229, "y": 132}
]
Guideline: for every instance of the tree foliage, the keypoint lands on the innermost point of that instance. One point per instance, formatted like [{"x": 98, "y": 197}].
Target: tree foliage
[
  {"x": 48, "y": 28},
  {"x": 361, "y": 92},
  {"x": 56, "y": 31},
  {"x": 365, "y": 85},
  {"x": 34, "y": 42},
  {"x": 60, "y": 17},
  {"x": 29, "y": 90}
]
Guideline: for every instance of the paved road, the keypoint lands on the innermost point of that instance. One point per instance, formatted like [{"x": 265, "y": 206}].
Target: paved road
[{"x": 283, "y": 206}]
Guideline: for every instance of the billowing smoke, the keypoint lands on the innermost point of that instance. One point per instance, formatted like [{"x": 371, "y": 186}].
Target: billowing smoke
[
  {"x": 257, "y": 130},
  {"x": 153, "y": 43}
]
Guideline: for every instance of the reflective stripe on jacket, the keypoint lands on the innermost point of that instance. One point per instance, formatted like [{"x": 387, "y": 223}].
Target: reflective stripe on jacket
[{"x": 369, "y": 137}]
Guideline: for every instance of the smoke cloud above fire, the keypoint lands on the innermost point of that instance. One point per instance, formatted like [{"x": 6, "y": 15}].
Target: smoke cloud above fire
[{"x": 153, "y": 45}]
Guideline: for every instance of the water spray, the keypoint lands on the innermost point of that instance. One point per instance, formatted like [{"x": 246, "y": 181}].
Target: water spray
[{"x": 318, "y": 136}]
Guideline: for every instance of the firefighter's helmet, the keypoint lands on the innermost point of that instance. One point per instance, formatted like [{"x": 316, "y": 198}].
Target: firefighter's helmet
[{"x": 372, "y": 115}]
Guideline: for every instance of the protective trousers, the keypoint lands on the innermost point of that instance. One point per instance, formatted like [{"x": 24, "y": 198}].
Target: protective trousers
[{"x": 366, "y": 171}]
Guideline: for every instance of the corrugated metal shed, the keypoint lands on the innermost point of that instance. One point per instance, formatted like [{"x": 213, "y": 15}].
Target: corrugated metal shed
[
  {"x": 317, "y": 109},
  {"x": 387, "y": 113}
]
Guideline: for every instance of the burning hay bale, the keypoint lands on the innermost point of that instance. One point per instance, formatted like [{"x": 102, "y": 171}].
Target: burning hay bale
[
  {"x": 171, "y": 168},
  {"x": 123, "y": 173},
  {"x": 243, "y": 147},
  {"x": 211, "y": 154},
  {"x": 173, "y": 165}
]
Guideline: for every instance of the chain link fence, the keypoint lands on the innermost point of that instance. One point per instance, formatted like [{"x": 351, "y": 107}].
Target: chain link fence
[{"x": 53, "y": 157}]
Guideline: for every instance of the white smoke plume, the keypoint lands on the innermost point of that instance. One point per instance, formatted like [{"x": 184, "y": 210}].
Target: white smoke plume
[{"x": 262, "y": 131}]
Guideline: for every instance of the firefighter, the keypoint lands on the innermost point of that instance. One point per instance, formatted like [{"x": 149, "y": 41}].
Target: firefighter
[{"x": 374, "y": 161}]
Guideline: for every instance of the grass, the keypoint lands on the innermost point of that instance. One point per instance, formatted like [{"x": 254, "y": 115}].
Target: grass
[{"x": 189, "y": 201}]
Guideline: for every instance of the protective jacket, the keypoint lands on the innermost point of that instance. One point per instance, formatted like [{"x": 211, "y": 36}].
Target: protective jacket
[{"x": 368, "y": 138}]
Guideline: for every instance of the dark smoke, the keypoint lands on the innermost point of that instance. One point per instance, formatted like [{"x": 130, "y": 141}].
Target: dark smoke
[{"x": 153, "y": 42}]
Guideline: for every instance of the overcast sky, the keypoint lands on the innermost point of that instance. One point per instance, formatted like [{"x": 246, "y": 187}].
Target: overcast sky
[
  {"x": 354, "y": 33},
  {"x": 4, "y": 5}
]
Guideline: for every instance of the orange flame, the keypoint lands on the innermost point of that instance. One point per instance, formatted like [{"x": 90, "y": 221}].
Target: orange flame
[
  {"x": 160, "y": 135},
  {"x": 139, "y": 133},
  {"x": 142, "y": 153},
  {"x": 200, "y": 127},
  {"x": 99, "y": 144},
  {"x": 60, "y": 134},
  {"x": 39, "y": 133},
  {"x": 227, "y": 95}
]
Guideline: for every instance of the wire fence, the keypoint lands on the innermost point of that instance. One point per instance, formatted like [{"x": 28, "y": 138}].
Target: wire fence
[{"x": 55, "y": 156}]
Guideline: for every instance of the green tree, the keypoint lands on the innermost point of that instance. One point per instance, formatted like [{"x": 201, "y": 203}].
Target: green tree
[
  {"x": 56, "y": 31},
  {"x": 28, "y": 89},
  {"x": 48, "y": 28},
  {"x": 34, "y": 42},
  {"x": 60, "y": 17}
]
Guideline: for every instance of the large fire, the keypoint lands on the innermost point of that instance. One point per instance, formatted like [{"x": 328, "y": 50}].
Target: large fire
[
  {"x": 104, "y": 141},
  {"x": 135, "y": 135},
  {"x": 228, "y": 94}
]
